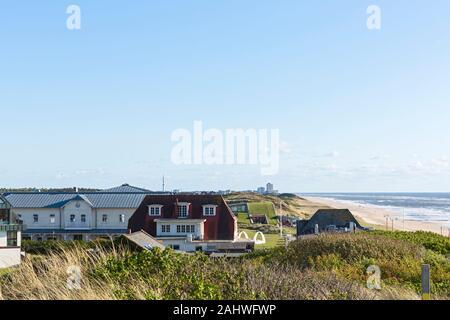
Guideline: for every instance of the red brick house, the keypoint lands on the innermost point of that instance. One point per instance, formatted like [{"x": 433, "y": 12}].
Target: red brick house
[{"x": 187, "y": 222}]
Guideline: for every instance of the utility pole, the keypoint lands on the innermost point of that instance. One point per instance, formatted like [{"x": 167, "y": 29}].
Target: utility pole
[{"x": 281, "y": 219}]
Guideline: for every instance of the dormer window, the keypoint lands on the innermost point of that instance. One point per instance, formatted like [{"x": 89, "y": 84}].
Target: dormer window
[
  {"x": 154, "y": 210},
  {"x": 209, "y": 210},
  {"x": 182, "y": 210}
]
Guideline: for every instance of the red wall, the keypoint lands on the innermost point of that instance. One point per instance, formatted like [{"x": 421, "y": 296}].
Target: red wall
[{"x": 218, "y": 227}]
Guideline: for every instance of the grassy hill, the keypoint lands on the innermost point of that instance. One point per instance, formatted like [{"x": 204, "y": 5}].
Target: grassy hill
[{"x": 292, "y": 204}]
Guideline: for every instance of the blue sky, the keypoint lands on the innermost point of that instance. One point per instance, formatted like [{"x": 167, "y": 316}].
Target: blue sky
[{"x": 358, "y": 110}]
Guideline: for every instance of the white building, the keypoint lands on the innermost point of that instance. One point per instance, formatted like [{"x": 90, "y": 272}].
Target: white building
[
  {"x": 76, "y": 216},
  {"x": 10, "y": 236},
  {"x": 269, "y": 188}
]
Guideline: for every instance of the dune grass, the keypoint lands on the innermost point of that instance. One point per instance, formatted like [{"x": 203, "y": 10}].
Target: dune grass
[
  {"x": 324, "y": 267},
  {"x": 265, "y": 208}
]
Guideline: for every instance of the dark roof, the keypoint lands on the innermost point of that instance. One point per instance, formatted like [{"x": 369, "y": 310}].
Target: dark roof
[
  {"x": 199, "y": 199},
  {"x": 121, "y": 197},
  {"x": 327, "y": 217},
  {"x": 126, "y": 188},
  {"x": 58, "y": 200}
]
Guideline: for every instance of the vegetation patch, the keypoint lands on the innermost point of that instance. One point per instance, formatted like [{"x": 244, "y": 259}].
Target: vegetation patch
[
  {"x": 320, "y": 267},
  {"x": 429, "y": 240}
]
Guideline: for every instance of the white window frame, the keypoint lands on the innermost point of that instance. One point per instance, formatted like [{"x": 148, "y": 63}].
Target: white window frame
[
  {"x": 165, "y": 228},
  {"x": 183, "y": 204},
  {"x": 52, "y": 218},
  {"x": 35, "y": 218},
  {"x": 74, "y": 218},
  {"x": 81, "y": 218},
  {"x": 208, "y": 207},
  {"x": 156, "y": 208},
  {"x": 104, "y": 218},
  {"x": 122, "y": 218}
]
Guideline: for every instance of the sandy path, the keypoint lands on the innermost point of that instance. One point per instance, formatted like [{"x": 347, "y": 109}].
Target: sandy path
[{"x": 377, "y": 216}]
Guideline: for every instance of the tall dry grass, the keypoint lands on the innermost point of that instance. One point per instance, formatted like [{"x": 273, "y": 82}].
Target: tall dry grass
[
  {"x": 116, "y": 273},
  {"x": 45, "y": 277}
]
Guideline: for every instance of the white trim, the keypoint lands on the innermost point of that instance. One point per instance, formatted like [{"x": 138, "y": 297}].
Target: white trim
[
  {"x": 155, "y": 206},
  {"x": 183, "y": 204},
  {"x": 209, "y": 206}
]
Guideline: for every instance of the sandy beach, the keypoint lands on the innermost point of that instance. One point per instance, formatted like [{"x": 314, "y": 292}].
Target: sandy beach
[{"x": 374, "y": 215}]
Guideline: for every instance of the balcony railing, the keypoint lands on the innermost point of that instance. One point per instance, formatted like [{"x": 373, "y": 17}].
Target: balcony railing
[
  {"x": 77, "y": 225},
  {"x": 12, "y": 227}
]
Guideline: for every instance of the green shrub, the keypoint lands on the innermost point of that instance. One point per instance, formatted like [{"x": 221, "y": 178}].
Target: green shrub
[
  {"x": 429, "y": 240},
  {"x": 52, "y": 246}
]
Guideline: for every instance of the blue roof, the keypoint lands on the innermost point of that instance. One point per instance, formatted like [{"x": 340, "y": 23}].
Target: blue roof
[
  {"x": 126, "y": 188},
  {"x": 122, "y": 197},
  {"x": 59, "y": 200}
]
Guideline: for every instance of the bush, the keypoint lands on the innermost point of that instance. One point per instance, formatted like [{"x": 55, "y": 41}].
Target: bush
[
  {"x": 324, "y": 267},
  {"x": 429, "y": 240},
  {"x": 349, "y": 255},
  {"x": 52, "y": 246}
]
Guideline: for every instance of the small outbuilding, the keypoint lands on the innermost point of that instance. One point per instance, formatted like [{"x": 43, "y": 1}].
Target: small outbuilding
[{"x": 329, "y": 220}]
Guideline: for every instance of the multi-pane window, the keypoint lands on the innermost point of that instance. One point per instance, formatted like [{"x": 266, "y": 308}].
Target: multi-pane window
[
  {"x": 182, "y": 211},
  {"x": 72, "y": 218},
  {"x": 105, "y": 218},
  {"x": 185, "y": 229},
  {"x": 122, "y": 218},
  {"x": 83, "y": 218},
  {"x": 154, "y": 210},
  {"x": 209, "y": 210},
  {"x": 165, "y": 228},
  {"x": 35, "y": 218},
  {"x": 52, "y": 218},
  {"x": 11, "y": 238}
]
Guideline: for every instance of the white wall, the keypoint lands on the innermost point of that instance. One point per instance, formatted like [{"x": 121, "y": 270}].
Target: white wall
[
  {"x": 113, "y": 218},
  {"x": 78, "y": 208},
  {"x": 186, "y": 245},
  {"x": 199, "y": 229},
  {"x": 44, "y": 218},
  {"x": 93, "y": 220},
  {"x": 9, "y": 257},
  {"x": 3, "y": 239}
]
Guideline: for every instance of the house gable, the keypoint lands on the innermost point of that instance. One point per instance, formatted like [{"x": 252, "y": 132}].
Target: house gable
[{"x": 220, "y": 226}]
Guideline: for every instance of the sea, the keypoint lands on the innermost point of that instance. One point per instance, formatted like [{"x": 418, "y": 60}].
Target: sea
[{"x": 432, "y": 207}]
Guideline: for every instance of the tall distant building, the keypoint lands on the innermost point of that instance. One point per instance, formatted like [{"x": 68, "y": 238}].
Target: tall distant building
[
  {"x": 269, "y": 188},
  {"x": 261, "y": 190}
]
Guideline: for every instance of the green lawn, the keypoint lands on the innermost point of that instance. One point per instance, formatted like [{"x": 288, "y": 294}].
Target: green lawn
[
  {"x": 263, "y": 208},
  {"x": 243, "y": 217},
  {"x": 272, "y": 240}
]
